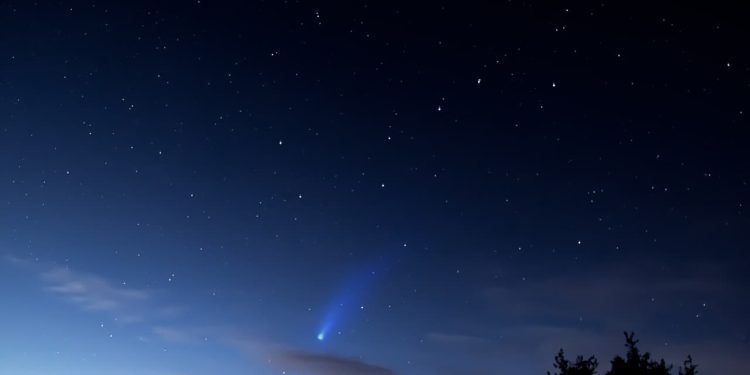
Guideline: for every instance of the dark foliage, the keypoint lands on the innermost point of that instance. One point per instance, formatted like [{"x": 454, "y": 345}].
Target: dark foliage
[
  {"x": 580, "y": 367},
  {"x": 689, "y": 367},
  {"x": 634, "y": 363}
]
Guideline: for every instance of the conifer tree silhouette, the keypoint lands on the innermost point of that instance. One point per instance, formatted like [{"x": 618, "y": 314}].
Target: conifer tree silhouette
[
  {"x": 690, "y": 368},
  {"x": 634, "y": 363},
  {"x": 580, "y": 367}
]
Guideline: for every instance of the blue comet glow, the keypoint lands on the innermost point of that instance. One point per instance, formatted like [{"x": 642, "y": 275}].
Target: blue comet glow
[{"x": 345, "y": 301}]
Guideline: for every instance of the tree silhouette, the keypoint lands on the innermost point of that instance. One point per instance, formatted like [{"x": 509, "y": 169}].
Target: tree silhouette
[
  {"x": 634, "y": 363},
  {"x": 690, "y": 368},
  {"x": 580, "y": 367},
  {"x": 637, "y": 363}
]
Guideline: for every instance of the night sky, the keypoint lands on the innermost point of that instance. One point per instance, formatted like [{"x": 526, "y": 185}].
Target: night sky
[{"x": 371, "y": 188}]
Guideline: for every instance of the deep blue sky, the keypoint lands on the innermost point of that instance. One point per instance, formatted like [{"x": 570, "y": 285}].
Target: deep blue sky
[{"x": 202, "y": 187}]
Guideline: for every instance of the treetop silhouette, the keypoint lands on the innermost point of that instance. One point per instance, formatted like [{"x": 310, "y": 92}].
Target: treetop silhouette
[{"x": 634, "y": 363}]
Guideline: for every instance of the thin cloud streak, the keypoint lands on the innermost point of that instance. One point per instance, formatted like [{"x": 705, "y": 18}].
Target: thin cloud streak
[
  {"x": 325, "y": 364},
  {"x": 92, "y": 292}
]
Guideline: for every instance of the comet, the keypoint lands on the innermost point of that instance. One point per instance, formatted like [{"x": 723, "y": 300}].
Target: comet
[{"x": 347, "y": 300}]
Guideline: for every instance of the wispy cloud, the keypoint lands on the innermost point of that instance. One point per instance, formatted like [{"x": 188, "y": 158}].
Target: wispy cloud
[
  {"x": 326, "y": 364},
  {"x": 92, "y": 292},
  {"x": 288, "y": 360},
  {"x": 599, "y": 298}
]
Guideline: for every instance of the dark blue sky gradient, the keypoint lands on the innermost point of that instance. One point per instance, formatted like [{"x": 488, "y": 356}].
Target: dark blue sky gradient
[{"x": 197, "y": 187}]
